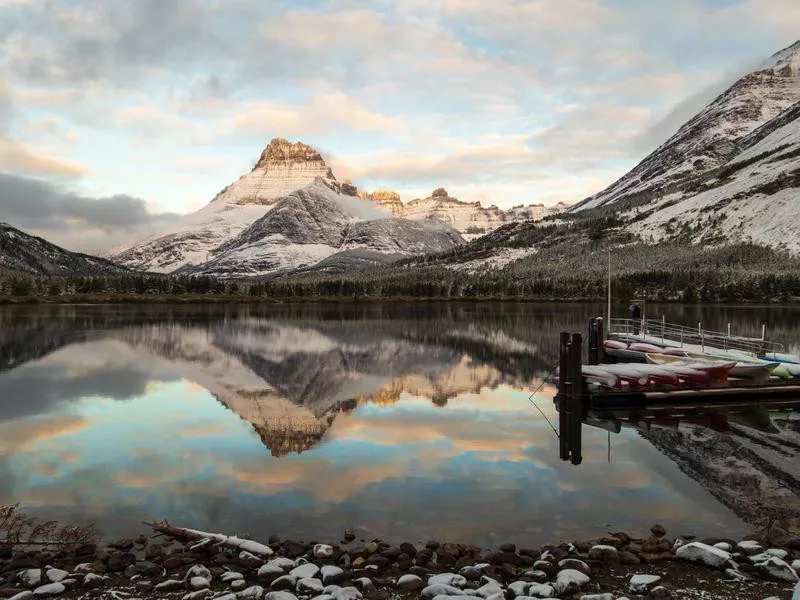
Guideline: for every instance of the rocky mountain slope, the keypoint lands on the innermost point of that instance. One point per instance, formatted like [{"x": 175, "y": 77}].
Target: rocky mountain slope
[
  {"x": 23, "y": 253},
  {"x": 316, "y": 223},
  {"x": 470, "y": 219},
  {"x": 288, "y": 213},
  {"x": 713, "y": 136},
  {"x": 751, "y": 197}
]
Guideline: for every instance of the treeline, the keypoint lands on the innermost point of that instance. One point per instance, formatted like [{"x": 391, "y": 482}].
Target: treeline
[
  {"x": 563, "y": 271},
  {"x": 138, "y": 284}
]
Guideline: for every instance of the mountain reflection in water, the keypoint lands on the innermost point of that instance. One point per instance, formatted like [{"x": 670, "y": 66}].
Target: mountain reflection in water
[{"x": 409, "y": 422}]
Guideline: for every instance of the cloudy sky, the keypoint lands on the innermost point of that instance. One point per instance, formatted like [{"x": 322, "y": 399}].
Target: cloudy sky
[{"x": 118, "y": 115}]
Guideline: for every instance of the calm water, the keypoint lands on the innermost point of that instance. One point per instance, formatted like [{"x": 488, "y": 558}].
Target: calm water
[{"x": 402, "y": 422}]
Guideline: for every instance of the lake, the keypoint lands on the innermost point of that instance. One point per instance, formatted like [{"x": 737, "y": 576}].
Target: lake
[{"x": 406, "y": 422}]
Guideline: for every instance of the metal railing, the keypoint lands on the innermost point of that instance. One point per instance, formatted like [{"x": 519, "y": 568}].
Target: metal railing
[{"x": 670, "y": 334}]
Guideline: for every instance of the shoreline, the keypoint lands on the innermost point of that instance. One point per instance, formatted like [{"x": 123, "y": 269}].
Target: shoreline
[
  {"x": 172, "y": 562},
  {"x": 168, "y": 299}
]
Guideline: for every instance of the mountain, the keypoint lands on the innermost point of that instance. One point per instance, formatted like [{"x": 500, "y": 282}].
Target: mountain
[
  {"x": 751, "y": 197},
  {"x": 317, "y": 223},
  {"x": 470, "y": 219},
  {"x": 713, "y": 136},
  {"x": 288, "y": 213},
  {"x": 23, "y": 253}
]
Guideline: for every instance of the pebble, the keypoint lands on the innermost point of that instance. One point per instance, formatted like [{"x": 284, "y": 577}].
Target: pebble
[
  {"x": 254, "y": 591},
  {"x": 441, "y": 589},
  {"x": 724, "y": 546},
  {"x": 229, "y": 576},
  {"x": 541, "y": 590},
  {"x": 347, "y": 593},
  {"x": 286, "y": 564},
  {"x": 796, "y": 594},
  {"x": 410, "y": 582},
  {"x": 250, "y": 560},
  {"x": 56, "y": 575},
  {"x": 749, "y": 547},
  {"x": 660, "y": 593},
  {"x": 170, "y": 585},
  {"x": 642, "y": 584},
  {"x": 49, "y": 590},
  {"x": 574, "y": 563},
  {"x": 658, "y": 530},
  {"x": 310, "y": 585},
  {"x": 30, "y": 577},
  {"x": 270, "y": 572},
  {"x": 280, "y": 596},
  {"x": 473, "y": 572},
  {"x": 487, "y": 590},
  {"x": 604, "y": 553},
  {"x": 285, "y": 582},
  {"x": 199, "y": 571},
  {"x": 238, "y": 585},
  {"x": 598, "y": 597},
  {"x": 331, "y": 574},
  {"x": 92, "y": 581},
  {"x": 199, "y": 583},
  {"x": 519, "y": 588},
  {"x": 197, "y": 595},
  {"x": 304, "y": 571},
  {"x": 323, "y": 551},
  {"x": 26, "y": 595},
  {"x": 448, "y": 579}
]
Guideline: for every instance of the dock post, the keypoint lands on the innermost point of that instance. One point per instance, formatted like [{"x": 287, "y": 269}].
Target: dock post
[
  {"x": 763, "y": 332},
  {"x": 663, "y": 326},
  {"x": 577, "y": 400},
  {"x": 563, "y": 375},
  {"x": 601, "y": 336},
  {"x": 594, "y": 342}
]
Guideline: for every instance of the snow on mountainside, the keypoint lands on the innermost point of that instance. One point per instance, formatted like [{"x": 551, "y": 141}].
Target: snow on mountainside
[
  {"x": 25, "y": 253},
  {"x": 282, "y": 168},
  {"x": 713, "y": 136},
  {"x": 754, "y": 196},
  {"x": 315, "y": 223},
  {"x": 470, "y": 219}
]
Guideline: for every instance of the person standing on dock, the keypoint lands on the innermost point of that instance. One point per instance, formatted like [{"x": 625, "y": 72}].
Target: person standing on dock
[{"x": 636, "y": 315}]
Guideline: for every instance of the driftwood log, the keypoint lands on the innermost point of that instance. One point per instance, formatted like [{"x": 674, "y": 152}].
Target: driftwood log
[{"x": 219, "y": 539}]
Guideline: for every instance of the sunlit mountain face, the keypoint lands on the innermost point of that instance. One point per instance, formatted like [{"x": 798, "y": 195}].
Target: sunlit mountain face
[{"x": 402, "y": 422}]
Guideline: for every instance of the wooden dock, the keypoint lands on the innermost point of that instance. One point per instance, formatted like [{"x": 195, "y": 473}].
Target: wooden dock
[{"x": 577, "y": 404}]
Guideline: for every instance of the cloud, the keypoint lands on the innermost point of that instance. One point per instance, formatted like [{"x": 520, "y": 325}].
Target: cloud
[
  {"x": 328, "y": 111},
  {"x": 14, "y": 157},
  {"x": 78, "y": 222}
]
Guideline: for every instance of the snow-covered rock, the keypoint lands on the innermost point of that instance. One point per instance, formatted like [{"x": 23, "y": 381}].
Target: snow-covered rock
[
  {"x": 452, "y": 579},
  {"x": 777, "y": 568},
  {"x": 347, "y": 593},
  {"x": 749, "y": 547},
  {"x": 199, "y": 583},
  {"x": 50, "y": 590},
  {"x": 703, "y": 553},
  {"x": 331, "y": 574},
  {"x": 287, "y": 564},
  {"x": 254, "y": 592},
  {"x": 569, "y": 581},
  {"x": 199, "y": 571},
  {"x": 30, "y": 577},
  {"x": 198, "y": 595},
  {"x": 310, "y": 585},
  {"x": 305, "y": 571},
  {"x": 280, "y": 596},
  {"x": 642, "y": 584},
  {"x": 409, "y": 582},
  {"x": 26, "y": 595},
  {"x": 229, "y": 576},
  {"x": 540, "y": 590},
  {"x": 440, "y": 589},
  {"x": 56, "y": 575}
]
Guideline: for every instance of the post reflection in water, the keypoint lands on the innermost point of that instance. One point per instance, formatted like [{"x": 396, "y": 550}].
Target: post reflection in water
[{"x": 406, "y": 422}]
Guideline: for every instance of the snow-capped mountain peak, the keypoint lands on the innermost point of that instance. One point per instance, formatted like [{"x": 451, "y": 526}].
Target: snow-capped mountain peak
[
  {"x": 786, "y": 62},
  {"x": 282, "y": 168}
]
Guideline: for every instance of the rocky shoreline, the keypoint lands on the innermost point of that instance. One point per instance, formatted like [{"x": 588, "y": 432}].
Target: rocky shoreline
[{"x": 185, "y": 564}]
